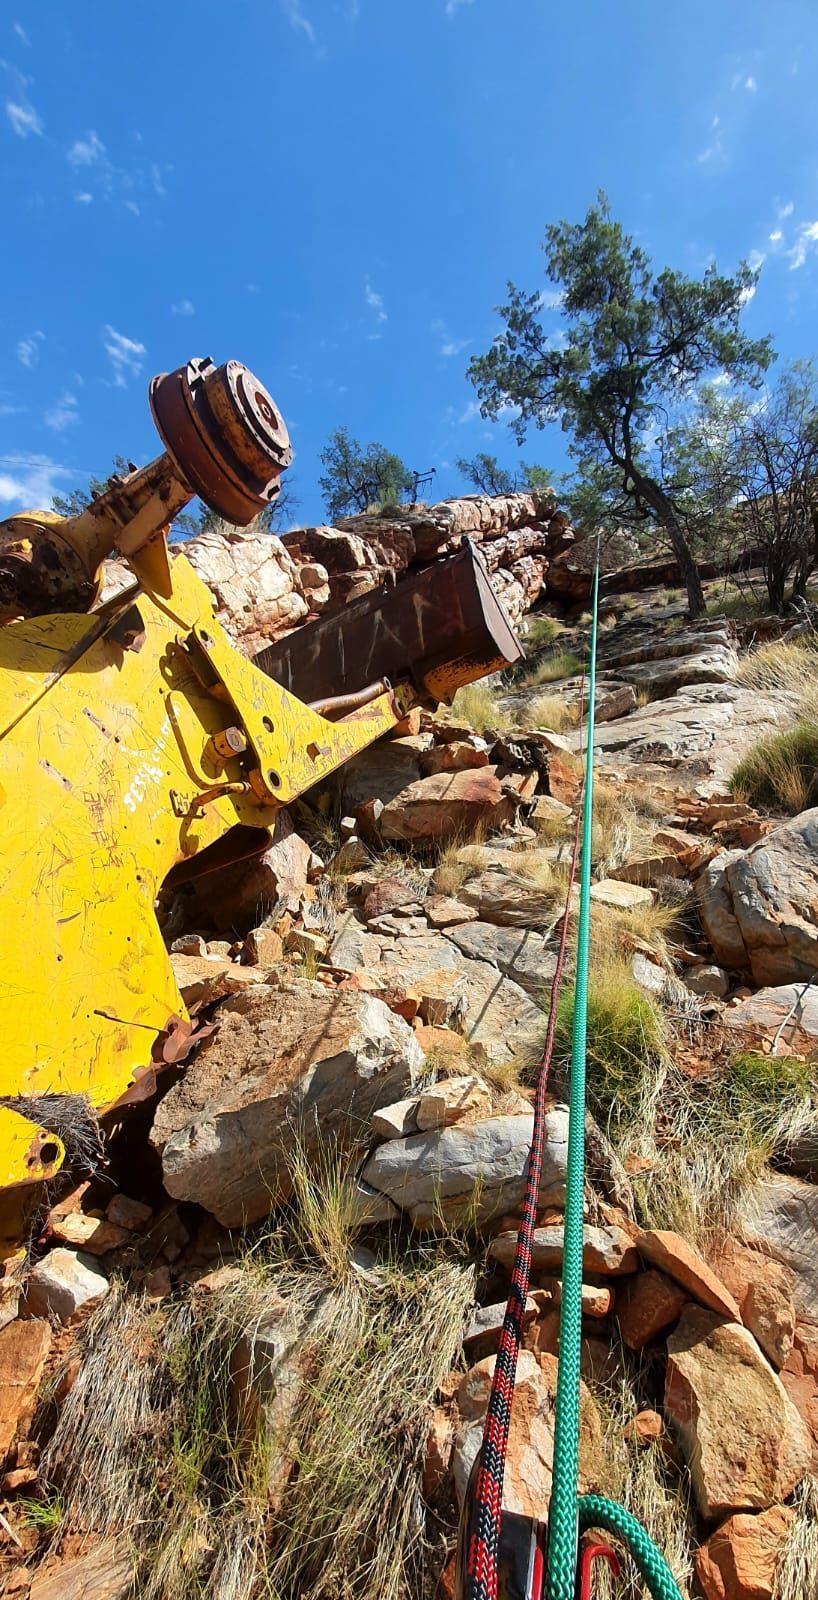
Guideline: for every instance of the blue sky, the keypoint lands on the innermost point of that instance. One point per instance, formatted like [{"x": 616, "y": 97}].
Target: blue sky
[{"x": 336, "y": 191}]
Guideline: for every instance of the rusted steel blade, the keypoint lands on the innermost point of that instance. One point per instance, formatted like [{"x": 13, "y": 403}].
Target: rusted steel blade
[{"x": 441, "y": 627}]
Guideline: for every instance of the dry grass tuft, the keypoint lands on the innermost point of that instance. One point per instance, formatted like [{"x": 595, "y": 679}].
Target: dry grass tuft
[
  {"x": 477, "y": 705},
  {"x": 549, "y": 711},
  {"x": 308, "y": 1484},
  {"x": 552, "y": 667},
  {"x": 785, "y": 669},
  {"x": 781, "y": 771},
  {"x": 797, "y": 1574}
]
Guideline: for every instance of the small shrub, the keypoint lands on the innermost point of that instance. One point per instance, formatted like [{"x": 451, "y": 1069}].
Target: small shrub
[{"x": 780, "y": 771}]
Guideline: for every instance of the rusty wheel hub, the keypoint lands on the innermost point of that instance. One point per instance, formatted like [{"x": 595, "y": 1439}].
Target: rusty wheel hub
[{"x": 225, "y": 434}]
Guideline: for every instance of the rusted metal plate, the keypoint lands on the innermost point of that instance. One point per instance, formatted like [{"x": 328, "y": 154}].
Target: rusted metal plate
[{"x": 441, "y": 628}]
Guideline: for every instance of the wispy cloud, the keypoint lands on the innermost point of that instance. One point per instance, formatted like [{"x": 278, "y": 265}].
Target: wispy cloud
[
  {"x": 296, "y": 18},
  {"x": 785, "y": 210},
  {"x": 471, "y": 411},
  {"x": 449, "y": 346},
  {"x": 807, "y": 237},
  {"x": 453, "y": 6},
  {"x": 744, "y": 80},
  {"x": 83, "y": 198},
  {"x": 714, "y": 153},
  {"x": 30, "y": 481},
  {"x": 64, "y": 414},
  {"x": 23, "y": 118},
  {"x": 87, "y": 152},
  {"x": 183, "y": 308},
  {"x": 375, "y": 303},
  {"x": 126, "y": 355},
  {"x": 20, "y": 31},
  {"x": 551, "y": 299},
  {"x": 28, "y": 348}
]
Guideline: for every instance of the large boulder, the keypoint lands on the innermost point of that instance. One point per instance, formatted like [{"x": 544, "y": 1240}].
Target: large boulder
[
  {"x": 745, "y": 1444},
  {"x": 288, "y": 1063},
  {"x": 255, "y": 583},
  {"x": 789, "y": 1010},
  {"x": 24, "y": 1350},
  {"x": 760, "y": 906},
  {"x": 780, "y": 1218},
  {"x": 469, "y": 1173},
  {"x": 448, "y": 804},
  {"x": 740, "y": 1560}
]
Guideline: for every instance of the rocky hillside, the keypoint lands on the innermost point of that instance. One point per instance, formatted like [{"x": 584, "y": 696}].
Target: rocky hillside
[{"x": 250, "y": 1349}]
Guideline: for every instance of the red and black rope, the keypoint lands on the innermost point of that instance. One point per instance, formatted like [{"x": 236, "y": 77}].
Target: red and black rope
[{"x": 485, "y": 1512}]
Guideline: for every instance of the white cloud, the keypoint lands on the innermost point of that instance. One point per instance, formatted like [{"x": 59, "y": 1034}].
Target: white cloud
[
  {"x": 27, "y": 482},
  {"x": 807, "y": 236},
  {"x": 64, "y": 414},
  {"x": 785, "y": 210},
  {"x": 23, "y": 118},
  {"x": 28, "y": 349},
  {"x": 375, "y": 302},
  {"x": 714, "y": 152},
  {"x": 21, "y": 32},
  {"x": 83, "y": 199},
  {"x": 183, "y": 308},
  {"x": 551, "y": 299},
  {"x": 471, "y": 412},
  {"x": 755, "y": 262},
  {"x": 296, "y": 18},
  {"x": 449, "y": 346},
  {"x": 722, "y": 380},
  {"x": 776, "y": 236},
  {"x": 126, "y": 355},
  {"x": 743, "y": 80},
  {"x": 86, "y": 152},
  {"x": 453, "y": 6}
]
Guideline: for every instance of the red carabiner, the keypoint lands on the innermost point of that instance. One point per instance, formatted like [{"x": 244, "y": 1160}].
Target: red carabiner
[{"x": 590, "y": 1554}]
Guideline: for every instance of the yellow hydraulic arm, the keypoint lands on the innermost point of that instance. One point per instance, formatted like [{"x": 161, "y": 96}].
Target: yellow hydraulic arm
[{"x": 134, "y": 737}]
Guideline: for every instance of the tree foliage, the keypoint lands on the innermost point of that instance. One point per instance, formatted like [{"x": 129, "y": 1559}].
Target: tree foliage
[
  {"x": 71, "y": 504},
  {"x": 750, "y": 465},
  {"x": 354, "y": 479},
  {"x": 485, "y": 474},
  {"x": 636, "y": 344}
]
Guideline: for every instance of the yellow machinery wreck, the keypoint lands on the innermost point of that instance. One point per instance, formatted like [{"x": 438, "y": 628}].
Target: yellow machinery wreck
[{"x": 138, "y": 746}]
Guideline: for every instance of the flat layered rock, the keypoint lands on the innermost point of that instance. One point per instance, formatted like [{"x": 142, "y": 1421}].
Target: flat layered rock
[
  {"x": 496, "y": 1013},
  {"x": 518, "y": 953},
  {"x": 477, "y": 1171}
]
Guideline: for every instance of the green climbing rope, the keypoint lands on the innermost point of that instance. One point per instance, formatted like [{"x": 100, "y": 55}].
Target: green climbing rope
[{"x": 568, "y": 1514}]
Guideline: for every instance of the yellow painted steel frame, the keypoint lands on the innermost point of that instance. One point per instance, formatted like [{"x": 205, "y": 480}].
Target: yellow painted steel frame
[{"x": 107, "y": 780}]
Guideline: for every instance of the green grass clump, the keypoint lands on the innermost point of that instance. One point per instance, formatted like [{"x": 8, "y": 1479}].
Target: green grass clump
[
  {"x": 780, "y": 771},
  {"x": 554, "y": 666},
  {"x": 627, "y": 1050},
  {"x": 541, "y": 632}
]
